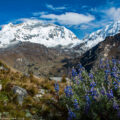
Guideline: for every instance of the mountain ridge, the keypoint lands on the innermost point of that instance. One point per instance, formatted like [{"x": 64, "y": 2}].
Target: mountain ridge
[{"x": 50, "y": 35}]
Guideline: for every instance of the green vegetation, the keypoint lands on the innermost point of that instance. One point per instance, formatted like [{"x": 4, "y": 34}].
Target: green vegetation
[{"x": 32, "y": 107}]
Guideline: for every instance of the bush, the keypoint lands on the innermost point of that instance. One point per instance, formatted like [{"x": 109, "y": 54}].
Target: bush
[
  {"x": 94, "y": 95},
  {"x": 64, "y": 79}
]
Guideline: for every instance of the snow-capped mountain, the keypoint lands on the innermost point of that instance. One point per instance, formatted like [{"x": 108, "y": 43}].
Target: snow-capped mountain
[
  {"x": 34, "y": 31},
  {"x": 100, "y": 35}
]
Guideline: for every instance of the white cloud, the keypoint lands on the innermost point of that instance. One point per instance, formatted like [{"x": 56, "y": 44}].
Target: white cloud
[
  {"x": 55, "y": 8},
  {"x": 113, "y": 13},
  {"x": 39, "y": 13},
  {"x": 84, "y": 27},
  {"x": 29, "y": 20},
  {"x": 34, "y": 20},
  {"x": 70, "y": 18}
]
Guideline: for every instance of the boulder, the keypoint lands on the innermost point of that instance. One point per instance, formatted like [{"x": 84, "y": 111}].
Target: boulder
[{"x": 21, "y": 93}]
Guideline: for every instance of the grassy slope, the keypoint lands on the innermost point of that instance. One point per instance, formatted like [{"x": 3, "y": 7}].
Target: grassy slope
[{"x": 46, "y": 106}]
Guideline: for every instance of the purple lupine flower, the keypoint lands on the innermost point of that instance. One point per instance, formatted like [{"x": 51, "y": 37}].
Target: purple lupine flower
[
  {"x": 107, "y": 72},
  {"x": 93, "y": 92},
  {"x": 110, "y": 94},
  {"x": 114, "y": 61},
  {"x": 114, "y": 69},
  {"x": 80, "y": 76},
  {"x": 78, "y": 82},
  {"x": 80, "y": 67},
  {"x": 91, "y": 76},
  {"x": 102, "y": 92},
  {"x": 108, "y": 66},
  {"x": 115, "y": 85},
  {"x": 76, "y": 105},
  {"x": 57, "y": 87},
  {"x": 115, "y": 106},
  {"x": 113, "y": 74},
  {"x": 92, "y": 84},
  {"x": 87, "y": 107},
  {"x": 74, "y": 72},
  {"x": 68, "y": 91},
  {"x": 87, "y": 99},
  {"x": 106, "y": 77},
  {"x": 71, "y": 115},
  {"x": 74, "y": 79},
  {"x": 101, "y": 66}
]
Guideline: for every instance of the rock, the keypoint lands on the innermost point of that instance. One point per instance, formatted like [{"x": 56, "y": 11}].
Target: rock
[
  {"x": 21, "y": 93},
  {"x": 41, "y": 92}
]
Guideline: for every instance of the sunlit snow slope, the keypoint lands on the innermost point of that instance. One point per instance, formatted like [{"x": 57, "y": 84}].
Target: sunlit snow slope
[
  {"x": 100, "y": 35},
  {"x": 34, "y": 31}
]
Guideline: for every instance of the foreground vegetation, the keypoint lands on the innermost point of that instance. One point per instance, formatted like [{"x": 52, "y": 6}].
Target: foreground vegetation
[
  {"x": 94, "y": 95},
  {"x": 87, "y": 96},
  {"x": 36, "y": 105}
]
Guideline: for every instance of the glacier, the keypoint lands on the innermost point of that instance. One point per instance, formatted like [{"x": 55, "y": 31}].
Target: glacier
[{"x": 49, "y": 35}]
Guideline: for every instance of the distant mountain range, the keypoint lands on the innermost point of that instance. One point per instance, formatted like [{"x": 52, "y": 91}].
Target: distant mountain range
[
  {"x": 49, "y": 50},
  {"x": 49, "y": 35}
]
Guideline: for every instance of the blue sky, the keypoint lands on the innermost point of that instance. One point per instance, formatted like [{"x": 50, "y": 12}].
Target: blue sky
[{"x": 80, "y": 16}]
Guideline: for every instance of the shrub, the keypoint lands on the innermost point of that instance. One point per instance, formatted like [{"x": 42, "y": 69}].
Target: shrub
[
  {"x": 94, "y": 95},
  {"x": 64, "y": 79}
]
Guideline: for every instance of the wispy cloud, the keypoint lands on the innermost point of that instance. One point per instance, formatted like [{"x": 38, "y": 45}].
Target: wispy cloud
[
  {"x": 55, "y": 8},
  {"x": 113, "y": 13},
  {"x": 70, "y": 18},
  {"x": 38, "y": 13}
]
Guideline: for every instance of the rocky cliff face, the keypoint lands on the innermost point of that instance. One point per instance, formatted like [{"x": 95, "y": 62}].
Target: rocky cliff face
[
  {"x": 96, "y": 37},
  {"x": 107, "y": 49},
  {"x": 27, "y": 56}
]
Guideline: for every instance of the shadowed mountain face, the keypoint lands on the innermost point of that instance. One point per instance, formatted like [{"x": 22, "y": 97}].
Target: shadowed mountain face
[
  {"x": 107, "y": 49},
  {"x": 37, "y": 58}
]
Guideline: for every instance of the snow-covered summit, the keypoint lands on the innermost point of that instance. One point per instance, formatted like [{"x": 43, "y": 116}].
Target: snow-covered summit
[
  {"x": 100, "y": 35},
  {"x": 34, "y": 31}
]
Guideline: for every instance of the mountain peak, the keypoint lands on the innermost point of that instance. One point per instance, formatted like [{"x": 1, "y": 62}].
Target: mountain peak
[
  {"x": 35, "y": 31},
  {"x": 100, "y": 35}
]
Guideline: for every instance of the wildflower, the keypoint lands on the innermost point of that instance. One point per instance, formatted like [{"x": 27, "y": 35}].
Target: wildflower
[
  {"x": 80, "y": 66},
  {"x": 80, "y": 76},
  {"x": 78, "y": 82},
  {"x": 114, "y": 61},
  {"x": 74, "y": 73},
  {"x": 102, "y": 92},
  {"x": 92, "y": 84},
  {"x": 110, "y": 94},
  {"x": 76, "y": 105},
  {"x": 57, "y": 87},
  {"x": 93, "y": 92},
  {"x": 68, "y": 91},
  {"x": 113, "y": 74},
  {"x": 115, "y": 106},
  {"x": 87, "y": 99},
  {"x": 101, "y": 64},
  {"x": 91, "y": 76},
  {"x": 71, "y": 115},
  {"x": 107, "y": 64},
  {"x": 114, "y": 69},
  {"x": 115, "y": 85},
  {"x": 107, "y": 72}
]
